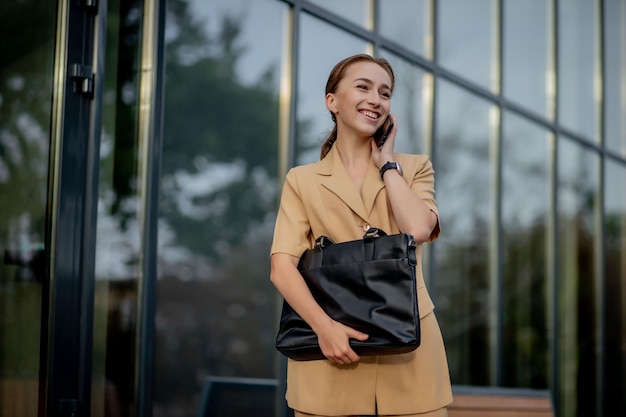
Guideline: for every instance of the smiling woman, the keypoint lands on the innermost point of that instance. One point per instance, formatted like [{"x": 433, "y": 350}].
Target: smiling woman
[{"x": 355, "y": 186}]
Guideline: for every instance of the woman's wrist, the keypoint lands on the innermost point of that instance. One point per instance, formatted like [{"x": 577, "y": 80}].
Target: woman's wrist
[{"x": 390, "y": 165}]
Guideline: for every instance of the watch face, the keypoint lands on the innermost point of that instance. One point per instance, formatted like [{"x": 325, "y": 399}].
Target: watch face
[{"x": 398, "y": 167}]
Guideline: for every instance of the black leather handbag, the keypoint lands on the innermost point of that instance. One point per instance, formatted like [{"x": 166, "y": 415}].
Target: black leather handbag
[{"x": 367, "y": 284}]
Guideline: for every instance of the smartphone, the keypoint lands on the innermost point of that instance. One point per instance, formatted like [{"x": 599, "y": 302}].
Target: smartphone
[{"x": 381, "y": 134}]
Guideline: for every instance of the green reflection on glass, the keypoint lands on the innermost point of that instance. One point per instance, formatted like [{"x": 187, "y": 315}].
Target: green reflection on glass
[
  {"x": 464, "y": 185},
  {"x": 578, "y": 191},
  {"x": 26, "y": 69},
  {"x": 615, "y": 279},
  {"x": 525, "y": 249}
]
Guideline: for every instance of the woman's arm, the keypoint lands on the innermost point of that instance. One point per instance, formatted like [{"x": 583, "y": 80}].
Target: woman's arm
[
  {"x": 411, "y": 212},
  {"x": 333, "y": 337}
]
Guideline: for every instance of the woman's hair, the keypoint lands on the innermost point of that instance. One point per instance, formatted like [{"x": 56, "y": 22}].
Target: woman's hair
[{"x": 335, "y": 77}]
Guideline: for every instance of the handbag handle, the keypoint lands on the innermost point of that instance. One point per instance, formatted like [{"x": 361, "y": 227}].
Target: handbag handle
[
  {"x": 374, "y": 232},
  {"x": 323, "y": 241},
  {"x": 371, "y": 234}
]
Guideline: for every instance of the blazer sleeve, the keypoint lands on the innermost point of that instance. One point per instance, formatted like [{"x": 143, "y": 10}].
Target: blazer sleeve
[
  {"x": 423, "y": 184},
  {"x": 292, "y": 229}
]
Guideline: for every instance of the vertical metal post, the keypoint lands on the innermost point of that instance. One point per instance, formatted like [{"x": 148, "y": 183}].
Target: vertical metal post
[
  {"x": 71, "y": 214},
  {"x": 497, "y": 291},
  {"x": 600, "y": 246},
  {"x": 150, "y": 133},
  {"x": 556, "y": 364}
]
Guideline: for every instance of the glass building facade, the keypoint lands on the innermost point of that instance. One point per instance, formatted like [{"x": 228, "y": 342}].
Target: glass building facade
[{"x": 142, "y": 149}]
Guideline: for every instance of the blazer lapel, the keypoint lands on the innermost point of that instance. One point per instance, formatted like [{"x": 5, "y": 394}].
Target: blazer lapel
[
  {"x": 371, "y": 186},
  {"x": 334, "y": 177}
]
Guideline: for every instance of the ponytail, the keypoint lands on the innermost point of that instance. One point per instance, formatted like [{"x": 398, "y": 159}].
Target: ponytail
[{"x": 329, "y": 142}]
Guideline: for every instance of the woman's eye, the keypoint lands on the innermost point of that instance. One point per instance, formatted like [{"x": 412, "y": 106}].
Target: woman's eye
[
  {"x": 386, "y": 95},
  {"x": 362, "y": 86}
]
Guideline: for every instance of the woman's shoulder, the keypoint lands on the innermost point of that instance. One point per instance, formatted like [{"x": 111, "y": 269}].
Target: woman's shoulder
[
  {"x": 413, "y": 162},
  {"x": 300, "y": 176},
  {"x": 322, "y": 166},
  {"x": 303, "y": 170}
]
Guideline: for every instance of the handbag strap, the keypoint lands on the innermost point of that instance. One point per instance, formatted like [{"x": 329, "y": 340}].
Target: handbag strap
[
  {"x": 372, "y": 233},
  {"x": 369, "y": 237},
  {"x": 323, "y": 241}
]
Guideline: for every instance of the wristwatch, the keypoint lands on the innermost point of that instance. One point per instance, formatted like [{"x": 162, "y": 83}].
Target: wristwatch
[{"x": 390, "y": 165}]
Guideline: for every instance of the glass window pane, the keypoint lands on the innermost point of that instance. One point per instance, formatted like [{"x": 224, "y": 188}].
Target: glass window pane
[
  {"x": 118, "y": 245},
  {"x": 313, "y": 118},
  {"x": 407, "y": 22},
  {"x": 615, "y": 75},
  {"x": 216, "y": 307},
  {"x": 525, "y": 248},
  {"x": 615, "y": 278},
  {"x": 356, "y": 11},
  {"x": 26, "y": 80},
  {"x": 465, "y": 40},
  {"x": 412, "y": 105},
  {"x": 527, "y": 30},
  {"x": 464, "y": 184},
  {"x": 578, "y": 77},
  {"x": 577, "y": 193}
]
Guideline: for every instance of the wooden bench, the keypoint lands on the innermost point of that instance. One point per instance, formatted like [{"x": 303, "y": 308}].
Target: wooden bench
[{"x": 494, "y": 402}]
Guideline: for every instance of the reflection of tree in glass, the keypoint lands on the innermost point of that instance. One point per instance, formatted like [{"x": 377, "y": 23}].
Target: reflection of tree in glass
[
  {"x": 525, "y": 302},
  {"x": 464, "y": 286},
  {"x": 219, "y": 190},
  {"x": 462, "y": 251},
  {"x": 524, "y": 249},
  {"x": 25, "y": 94},
  {"x": 220, "y": 140},
  {"x": 615, "y": 308},
  {"x": 26, "y": 50}
]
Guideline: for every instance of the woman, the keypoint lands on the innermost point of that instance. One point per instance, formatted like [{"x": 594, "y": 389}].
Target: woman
[{"x": 354, "y": 186}]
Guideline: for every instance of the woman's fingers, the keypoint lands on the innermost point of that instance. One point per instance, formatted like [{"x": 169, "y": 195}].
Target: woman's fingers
[{"x": 335, "y": 343}]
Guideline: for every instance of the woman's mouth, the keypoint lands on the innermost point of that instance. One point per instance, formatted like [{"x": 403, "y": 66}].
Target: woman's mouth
[{"x": 370, "y": 114}]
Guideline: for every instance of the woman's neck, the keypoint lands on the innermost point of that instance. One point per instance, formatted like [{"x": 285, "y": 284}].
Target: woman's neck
[{"x": 355, "y": 153}]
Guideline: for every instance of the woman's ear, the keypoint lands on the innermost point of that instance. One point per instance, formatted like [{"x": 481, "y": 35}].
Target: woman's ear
[{"x": 330, "y": 103}]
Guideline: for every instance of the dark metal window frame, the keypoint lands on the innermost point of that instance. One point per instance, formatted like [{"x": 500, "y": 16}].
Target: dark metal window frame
[
  {"x": 68, "y": 302},
  {"x": 72, "y": 200}
]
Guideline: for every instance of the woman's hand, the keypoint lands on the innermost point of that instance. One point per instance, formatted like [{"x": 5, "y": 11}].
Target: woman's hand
[
  {"x": 332, "y": 336},
  {"x": 334, "y": 342}
]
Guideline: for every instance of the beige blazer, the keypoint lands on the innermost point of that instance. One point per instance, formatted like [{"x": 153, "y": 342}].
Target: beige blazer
[{"x": 320, "y": 199}]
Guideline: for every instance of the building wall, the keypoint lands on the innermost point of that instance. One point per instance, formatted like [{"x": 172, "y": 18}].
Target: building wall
[{"x": 519, "y": 104}]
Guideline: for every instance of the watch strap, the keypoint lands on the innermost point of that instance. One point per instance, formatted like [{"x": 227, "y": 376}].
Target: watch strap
[{"x": 390, "y": 165}]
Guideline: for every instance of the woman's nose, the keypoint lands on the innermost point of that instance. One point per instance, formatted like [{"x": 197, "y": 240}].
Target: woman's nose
[{"x": 374, "y": 98}]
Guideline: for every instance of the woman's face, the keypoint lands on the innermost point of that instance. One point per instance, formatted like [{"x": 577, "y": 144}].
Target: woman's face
[{"x": 363, "y": 99}]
